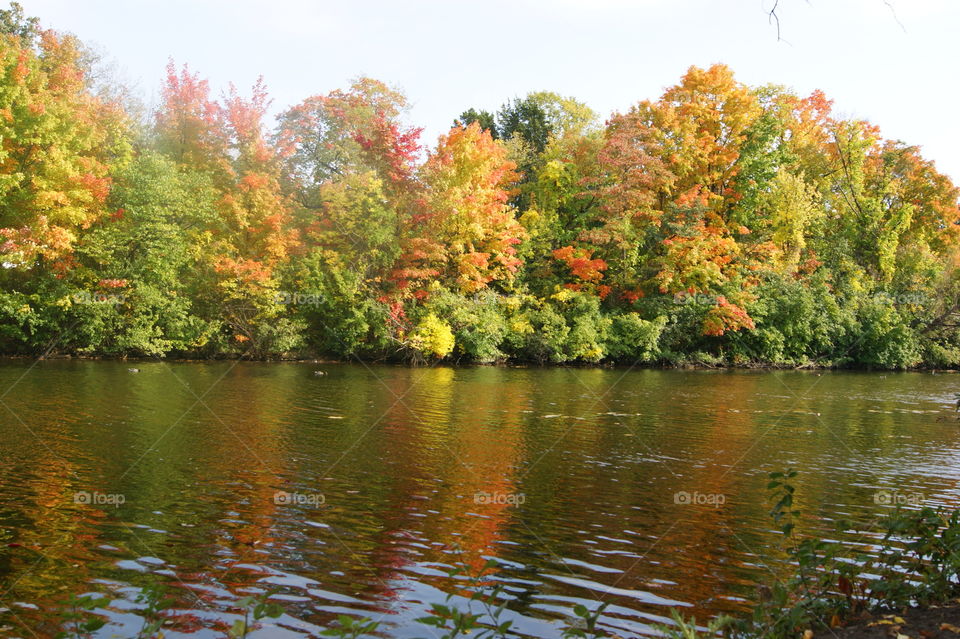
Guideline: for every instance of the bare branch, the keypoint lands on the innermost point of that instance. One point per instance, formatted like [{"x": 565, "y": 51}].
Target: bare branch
[
  {"x": 893, "y": 12},
  {"x": 773, "y": 18}
]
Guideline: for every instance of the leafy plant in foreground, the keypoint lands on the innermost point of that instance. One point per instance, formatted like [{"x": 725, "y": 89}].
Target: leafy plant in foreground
[
  {"x": 155, "y": 602},
  {"x": 687, "y": 628},
  {"x": 351, "y": 628},
  {"x": 258, "y": 607},
  {"x": 457, "y": 622},
  {"x": 586, "y": 623},
  {"x": 917, "y": 562},
  {"x": 79, "y": 618}
]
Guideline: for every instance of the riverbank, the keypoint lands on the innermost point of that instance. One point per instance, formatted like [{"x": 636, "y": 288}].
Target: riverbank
[
  {"x": 653, "y": 365},
  {"x": 903, "y": 583},
  {"x": 916, "y": 623}
]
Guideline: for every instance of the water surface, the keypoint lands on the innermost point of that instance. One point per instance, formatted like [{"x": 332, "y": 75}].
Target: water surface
[{"x": 356, "y": 492}]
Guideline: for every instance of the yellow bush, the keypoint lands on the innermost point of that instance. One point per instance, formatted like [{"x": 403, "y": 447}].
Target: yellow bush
[{"x": 433, "y": 337}]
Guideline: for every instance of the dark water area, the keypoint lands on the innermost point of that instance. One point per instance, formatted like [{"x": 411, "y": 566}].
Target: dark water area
[{"x": 355, "y": 492}]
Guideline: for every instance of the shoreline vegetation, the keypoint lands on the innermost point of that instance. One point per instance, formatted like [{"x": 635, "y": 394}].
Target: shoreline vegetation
[
  {"x": 654, "y": 365},
  {"x": 902, "y": 582},
  {"x": 718, "y": 224}
]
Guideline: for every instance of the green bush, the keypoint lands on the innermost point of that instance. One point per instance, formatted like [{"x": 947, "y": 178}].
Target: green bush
[{"x": 634, "y": 338}]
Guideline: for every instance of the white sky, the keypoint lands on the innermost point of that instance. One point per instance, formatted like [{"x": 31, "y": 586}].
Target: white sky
[{"x": 449, "y": 55}]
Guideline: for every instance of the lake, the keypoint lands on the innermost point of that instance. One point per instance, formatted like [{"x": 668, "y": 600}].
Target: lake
[{"x": 355, "y": 492}]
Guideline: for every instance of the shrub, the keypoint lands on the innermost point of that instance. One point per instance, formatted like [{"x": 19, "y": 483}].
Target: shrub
[{"x": 432, "y": 338}]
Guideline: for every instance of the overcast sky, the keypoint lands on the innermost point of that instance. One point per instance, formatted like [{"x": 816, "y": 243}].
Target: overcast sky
[{"x": 893, "y": 62}]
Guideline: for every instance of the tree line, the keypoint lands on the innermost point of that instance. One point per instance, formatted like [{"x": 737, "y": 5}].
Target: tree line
[{"x": 717, "y": 224}]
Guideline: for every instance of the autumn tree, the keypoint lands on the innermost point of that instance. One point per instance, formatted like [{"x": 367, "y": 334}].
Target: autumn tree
[
  {"x": 189, "y": 125},
  {"x": 138, "y": 288},
  {"x": 467, "y": 233},
  {"x": 257, "y": 216},
  {"x": 717, "y": 223},
  {"x": 344, "y": 152},
  {"x": 670, "y": 191},
  {"x": 59, "y": 141}
]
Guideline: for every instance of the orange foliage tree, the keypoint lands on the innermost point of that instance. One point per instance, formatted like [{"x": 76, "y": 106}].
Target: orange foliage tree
[{"x": 466, "y": 233}]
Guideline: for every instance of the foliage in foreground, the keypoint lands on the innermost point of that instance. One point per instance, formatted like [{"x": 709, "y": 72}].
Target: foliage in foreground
[
  {"x": 717, "y": 224},
  {"x": 914, "y": 561}
]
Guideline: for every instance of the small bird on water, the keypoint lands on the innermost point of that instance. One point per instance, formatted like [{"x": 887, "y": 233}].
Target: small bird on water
[
  {"x": 133, "y": 370},
  {"x": 319, "y": 373}
]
